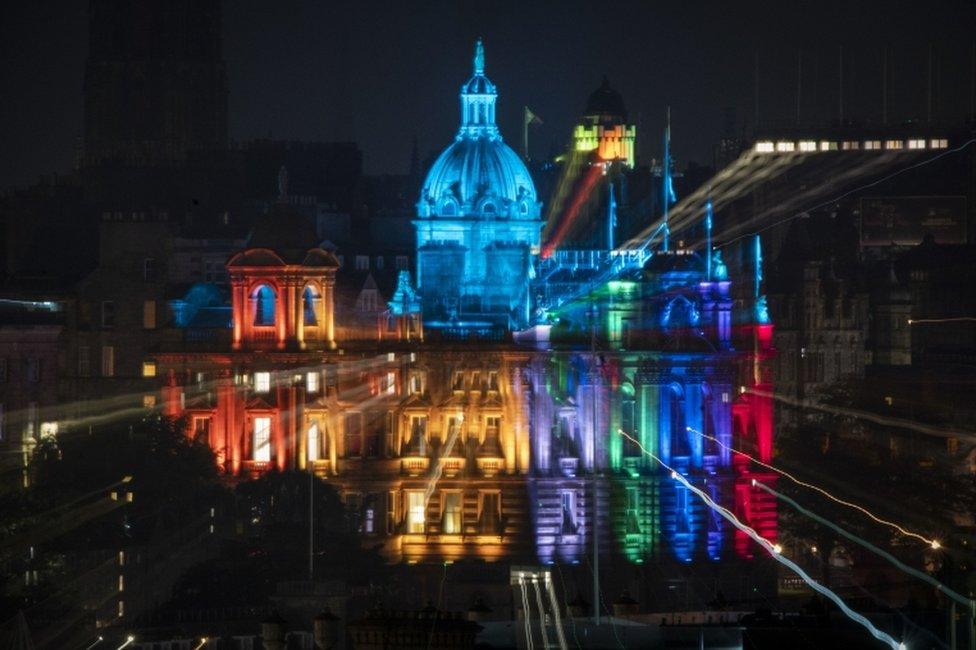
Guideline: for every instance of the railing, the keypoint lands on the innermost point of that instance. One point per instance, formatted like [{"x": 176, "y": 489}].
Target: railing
[{"x": 264, "y": 333}]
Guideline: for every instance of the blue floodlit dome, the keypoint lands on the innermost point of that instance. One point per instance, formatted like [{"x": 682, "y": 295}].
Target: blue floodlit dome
[{"x": 478, "y": 174}]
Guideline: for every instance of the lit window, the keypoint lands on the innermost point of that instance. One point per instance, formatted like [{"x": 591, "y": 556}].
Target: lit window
[
  {"x": 490, "y": 513},
  {"x": 939, "y": 143},
  {"x": 872, "y": 145},
  {"x": 390, "y": 383},
  {"x": 108, "y": 361},
  {"x": 312, "y": 382},
  {"x": 808, "y": 145},
  {"x": 314, "y": 443},
  {"x": 894, "y": 144},
  {"x": 148, "y": 368},
  {"x": 263, "y": 305},
  {"x": 452, "y": 513},
  {"x": 917, "y": 143},
  {"x": 262, "y": 382},
  {"x": 49, "y": 430},
  {"x": 764, "y": 147},
  {"x": 850, "y": 145},
  {"x": 826, "y": 145},
  {"x": 362, "y": 262},
  {"x": 262, "y": 440},
  {"x": 785, "y": 146},
  {"x": 567, "y": 500},
  {"x": 148, "y": 400},
  {"x": 415, "y": 511}
]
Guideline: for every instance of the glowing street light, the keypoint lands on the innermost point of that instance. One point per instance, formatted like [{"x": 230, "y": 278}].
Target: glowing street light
[
  {"x": 129, "y": 640},
  {"x": 95, "y": 642}
]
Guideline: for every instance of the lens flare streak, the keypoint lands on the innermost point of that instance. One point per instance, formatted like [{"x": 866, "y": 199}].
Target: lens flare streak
[{"x": 775, "y": 552}]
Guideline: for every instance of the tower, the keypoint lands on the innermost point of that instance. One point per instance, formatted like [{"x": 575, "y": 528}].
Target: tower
[
  {"x": 478, "y": 219},
  {"x": 604, "y": 127}
]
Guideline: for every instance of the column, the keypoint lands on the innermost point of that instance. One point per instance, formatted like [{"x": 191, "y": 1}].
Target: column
[
  {"x": 238, "y": 302},
  {"x": 328, "y": 313},
  {"x": 281, "y": 313},
  {"x": 648, "y": 409}
]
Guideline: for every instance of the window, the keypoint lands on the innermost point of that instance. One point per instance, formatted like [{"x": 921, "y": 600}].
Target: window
[
  {"x": 415, "y": 511},
  {"x": 872, "y": 145},
  {"x": 354, "y": 434},
  {"x": 108, "y": 361},
  {"x": 262, "y": 382},
  {"x": 402, "y": 262},
  {"x": 493, "y": 380},
  {"x": 262, "y": 440},
  {"x": 416, "y": 383},
  {"x": 108, "y": 314},
  {"x": 263, "y": 304},
  {"x": 84, "y": 361},
  {"x": 312, "y": 382},
  {"x": 492, "y": 426},
  {"x": 458, "y": 383},
  {"x": 149, "y": 314},
  {"x": 149, "y": 270},
  {"x": 893, "y": 144},
  {"x": 367, "y": 300},
  {"x": 489, "y": 513},
  {"x": 148, "y": 368},
  {"x": 379, "y": 263},
  {"x": 310, "y": 302},
  {"x": 391, "y": 512},
  {"x": 489, "y": 208},
  {"x": 369, "y": 520},
  {"x": 567, "y": 500},
  {"x": 917, "y": 143},
  {"x": 362, "y": 262},
  {"x": 201, "y": 429},
  {"x": 314, "y": 442},
  {"x": 632, "y": 513},
  {"x": 390, "y": 383},
  {"x": 785, "y": 146},
  {"x": 33, "y": 370},
  {"x": 808, "y": 145},
  {"x": 939, "y": 143},
  {"x": 148, "y": 401},
  {"x": 452, "y": 513},
  {"x": 764, "y": 147}
]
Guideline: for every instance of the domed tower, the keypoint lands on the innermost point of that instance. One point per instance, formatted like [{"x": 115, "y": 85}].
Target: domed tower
[
  {"x": 478, "y": 220},
  {"x": 604, "y": 127}
]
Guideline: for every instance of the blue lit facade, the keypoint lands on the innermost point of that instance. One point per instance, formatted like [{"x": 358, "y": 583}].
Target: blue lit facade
[{"x": 478, "y": 212}]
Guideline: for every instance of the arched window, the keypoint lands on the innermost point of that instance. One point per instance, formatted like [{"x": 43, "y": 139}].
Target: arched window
[
  {"x": 489, "y": 208},
  {"x": 523, "y": 208},
  {"x": 263, "y": 299},
  {"x": 310, "y": 303},
  {"x": 449, "y": 209}
]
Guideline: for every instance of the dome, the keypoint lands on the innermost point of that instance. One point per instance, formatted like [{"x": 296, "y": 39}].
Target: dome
[
  {"x": 606, "y": 102},
  {"x": 478, "y": 174}
]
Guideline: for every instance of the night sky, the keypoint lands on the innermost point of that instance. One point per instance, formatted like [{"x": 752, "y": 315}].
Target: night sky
[{"x": 384, "y": 73}]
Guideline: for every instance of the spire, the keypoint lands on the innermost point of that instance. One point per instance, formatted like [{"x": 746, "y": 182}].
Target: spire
[{"x": 479, "y": 58}]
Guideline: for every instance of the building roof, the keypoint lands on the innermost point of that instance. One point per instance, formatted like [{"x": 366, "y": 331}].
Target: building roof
[{"x": 605, "y": 102}]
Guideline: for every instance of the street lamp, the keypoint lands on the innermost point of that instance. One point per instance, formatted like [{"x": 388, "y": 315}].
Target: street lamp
[
  {"x": 95, "y": 642},
  {"x": 129, "y": 640}
]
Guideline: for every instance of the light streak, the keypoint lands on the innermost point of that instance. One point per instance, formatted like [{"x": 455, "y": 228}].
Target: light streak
[
  {"x": 957, "y": 319},
  {"x": 542, "y": 612},
  {"x": 868, "y": 545},
  {"x": 525, "y": 613},
  {"x": 866, "y": 415},
  {"x": 555, "y": 610},
  {"x": 931, "y": 542},
  {"x": 771, "y": 548},
  {"x": 445, "y": 454}
]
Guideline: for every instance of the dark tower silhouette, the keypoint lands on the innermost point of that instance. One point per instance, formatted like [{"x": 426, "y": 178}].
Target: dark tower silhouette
[{"x": 155, "y": 83}]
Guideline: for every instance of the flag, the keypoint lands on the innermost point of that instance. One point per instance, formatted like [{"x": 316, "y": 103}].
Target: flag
[{"x": 531, "y": 118}]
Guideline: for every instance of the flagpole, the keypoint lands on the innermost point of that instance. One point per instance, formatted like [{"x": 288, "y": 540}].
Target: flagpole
[{"x": 525, "y": 132}]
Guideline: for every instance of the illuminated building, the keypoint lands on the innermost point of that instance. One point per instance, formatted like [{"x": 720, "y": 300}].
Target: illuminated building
[
  {"x": 478, "y": 212},
  {"x": 489, "y": 413},
  {"x": 604, "y": 128}
]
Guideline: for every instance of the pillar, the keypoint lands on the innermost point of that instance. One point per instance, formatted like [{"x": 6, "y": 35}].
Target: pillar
[{"x": 329, "y": 309}]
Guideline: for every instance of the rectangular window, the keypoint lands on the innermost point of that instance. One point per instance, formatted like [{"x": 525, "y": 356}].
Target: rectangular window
[
  {"x": 369, "y": 520},
  {"x": 490, "y": 513},
  {"x": 84, "y": 361},
  {"x": 312, "y": 382},
  {"x": 354, "y": 434},
  {"x": 452, "y": 513},
  {"x": 391, "y": 512},
  {"x": 108, "y": 314},
  {"x": 379, "y": 262},
  {"x": 415, "y": 511},
  {"x": 390, "y": 383},
  {"x": 149, "y": 270},
  {"x": 262, "y": 382},
  {"x": 493, "y": 380},
  {"x": 416, "y": 383},
  {"x": 402, "y": 262},
  {"x": 458, "y": 383},
  {"x": 108, "y": 361},
  {"x": 149, "y": 314},
  {"x": 262, "y": 440},
  {"x": 201, "y": 429},
  {"x": 314, "y": 442},
  {"x": 33, "y": 370},
  {"x": 492, "y": 426},
  {"x": 148, "y": 400},
  {"x": 148, "y": 368},
  {"x": 362, "y": 262},
  {"x": 567, "y": 500}
]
